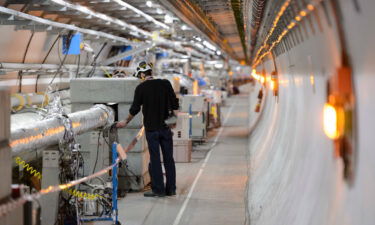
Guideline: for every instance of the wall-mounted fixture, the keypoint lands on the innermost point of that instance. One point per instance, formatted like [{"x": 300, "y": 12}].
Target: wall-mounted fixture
[
  {"x": 341, "y": 97},
  {"x": 339, "y": 119},
  {"x": 334, "y": 121},
  {"x": 260, "y": 98},
  {"x": 274, "y": 84}
]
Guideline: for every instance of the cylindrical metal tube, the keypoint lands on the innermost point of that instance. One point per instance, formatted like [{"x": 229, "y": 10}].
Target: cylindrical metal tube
[
  {"x": 26, "y": 141},
  {"x": 55, "y": 67},
  {"x": 21, "y": 100}
]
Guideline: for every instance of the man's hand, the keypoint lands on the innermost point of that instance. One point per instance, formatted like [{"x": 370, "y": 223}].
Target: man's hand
[
  {"x": 121, "y": 124},
  {"x": 172, "y": 126},
  {"x": 124, "y": 123}
]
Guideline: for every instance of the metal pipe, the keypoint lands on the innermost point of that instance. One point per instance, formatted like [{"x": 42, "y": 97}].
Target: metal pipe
[
  {"x": 126, "y": 54},
  {"x": 26, "y": 141},
  {"x": 18, "y": 100},
  {"x": 31, "y": 66}
]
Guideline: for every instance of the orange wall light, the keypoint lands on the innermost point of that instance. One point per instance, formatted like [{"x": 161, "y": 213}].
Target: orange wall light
[
  {"x": 334, "y": 121},
  {"x": 272, "y": 85}
]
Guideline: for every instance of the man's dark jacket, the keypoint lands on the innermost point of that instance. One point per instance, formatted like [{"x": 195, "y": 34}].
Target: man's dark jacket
[{"x": 157, "y": 98}]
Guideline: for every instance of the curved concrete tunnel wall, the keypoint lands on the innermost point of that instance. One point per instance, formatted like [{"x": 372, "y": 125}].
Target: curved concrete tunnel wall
[{"x": 294, "y": 177}]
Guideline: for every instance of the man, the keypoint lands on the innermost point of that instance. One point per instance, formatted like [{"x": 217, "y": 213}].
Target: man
[{"x": 157, "y": 98}]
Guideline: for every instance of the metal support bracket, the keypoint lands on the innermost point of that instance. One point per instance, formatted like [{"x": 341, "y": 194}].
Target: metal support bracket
[{"x": 126, "y": 54}]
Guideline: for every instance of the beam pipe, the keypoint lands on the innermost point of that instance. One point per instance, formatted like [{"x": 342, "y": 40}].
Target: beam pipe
[
  {"x": 69, "y": 67},
  {"x": 26, "y": 141}
]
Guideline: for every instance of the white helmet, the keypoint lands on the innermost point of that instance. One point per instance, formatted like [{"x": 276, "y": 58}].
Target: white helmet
[{"x": 143, "y": 67}]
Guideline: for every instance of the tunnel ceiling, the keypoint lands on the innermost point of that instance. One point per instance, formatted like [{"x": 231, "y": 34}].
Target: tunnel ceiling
[
  {"x": 220, "y": 20},
  {"x": 69, "y": 12},
  {"x": 135, "y": 20}
]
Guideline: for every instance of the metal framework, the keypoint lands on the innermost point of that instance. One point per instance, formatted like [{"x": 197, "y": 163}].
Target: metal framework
[
  {"x": 13, "y": 17},
  {"x": 195, "y": 12},
  {"x": 85, "y": 13},
  {"x": 133, "y": 12},
  {"x": 126, "y": 6}
]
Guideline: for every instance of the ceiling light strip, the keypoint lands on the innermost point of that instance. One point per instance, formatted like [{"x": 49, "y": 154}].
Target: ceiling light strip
[
  {"x": 139, "y": 12},
  {"x": 274, "y": 25},
  {"x": 100, "y": 16},
  {"x": 299, "y": 17}
]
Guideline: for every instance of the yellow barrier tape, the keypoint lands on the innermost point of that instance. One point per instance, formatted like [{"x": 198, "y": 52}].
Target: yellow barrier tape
[{"x": 21, "y": 99}]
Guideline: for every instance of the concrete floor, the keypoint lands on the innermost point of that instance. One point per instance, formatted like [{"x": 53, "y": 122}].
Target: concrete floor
[{"x": 211, "y": 189}]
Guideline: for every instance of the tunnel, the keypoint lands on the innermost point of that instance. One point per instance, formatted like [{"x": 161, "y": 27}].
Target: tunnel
[{"x": 148, "y": 112}]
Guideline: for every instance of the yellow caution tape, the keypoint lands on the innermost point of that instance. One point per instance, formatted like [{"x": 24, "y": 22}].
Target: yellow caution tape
[
  {"x": 45, "y": 100},
  {"x": 106, "y": 72},
  {"x": 29, "y": 101},
  {"x": 21, "y": 99},
  {"x": 214, "y": 111}
]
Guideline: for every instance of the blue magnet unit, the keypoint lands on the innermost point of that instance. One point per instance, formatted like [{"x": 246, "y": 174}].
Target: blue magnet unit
[
  {"x": 201, "y": 82},
  {"x": 125, "y": 49},
  {"x": 161, "y": 55},
  {"x": 74, "y": 47}
]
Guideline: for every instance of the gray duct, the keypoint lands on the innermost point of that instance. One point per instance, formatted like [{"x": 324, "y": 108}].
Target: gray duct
[{"x": 27, "y": 141}]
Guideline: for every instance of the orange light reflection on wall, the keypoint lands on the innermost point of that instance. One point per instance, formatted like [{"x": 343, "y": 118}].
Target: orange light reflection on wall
[{"x": 312, "y": 80}]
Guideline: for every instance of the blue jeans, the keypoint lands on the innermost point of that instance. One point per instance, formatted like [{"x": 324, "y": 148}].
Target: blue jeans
[{"x": 162, "y": 138}]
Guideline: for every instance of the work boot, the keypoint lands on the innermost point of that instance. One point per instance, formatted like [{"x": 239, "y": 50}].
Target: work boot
[
  {"x": 152, "y": 194},
  {"x": 172, "y": 193}
]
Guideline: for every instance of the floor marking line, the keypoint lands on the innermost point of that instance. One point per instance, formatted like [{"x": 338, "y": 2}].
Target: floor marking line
[{"x": 183, "y": 208}]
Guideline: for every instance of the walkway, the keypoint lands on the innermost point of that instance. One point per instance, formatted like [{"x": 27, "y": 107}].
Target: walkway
[{"x": 210, "y": 190}]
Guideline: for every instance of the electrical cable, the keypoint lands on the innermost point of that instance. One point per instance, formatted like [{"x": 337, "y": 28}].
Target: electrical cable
[
  {"x": 83, "y": 163},
  {"x": 50, "y": 49},
  {"x": 132, "y": 173},
  {"x": 23, "y": 61},
  {"x": 79, "y": 61},
  {"x": 11, "y": 205},
  {"x": 27, "y": 47},
  {"x": 93, "y": 64},
  {"x": 58, "y": 51},
  {"x": 126, "y": 165},
  {"x": 68, "y": 42},
  {"x": 98, "y": 178},
  {"x": 45, "y": 59},
  {"x": 97, "y": 152},
  {"x": 70, "y": 209},
  {"x": 84, "y": 65}
]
